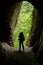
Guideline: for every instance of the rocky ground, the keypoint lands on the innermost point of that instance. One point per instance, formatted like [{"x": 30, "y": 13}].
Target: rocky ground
[{"x": 11, "y": 56}]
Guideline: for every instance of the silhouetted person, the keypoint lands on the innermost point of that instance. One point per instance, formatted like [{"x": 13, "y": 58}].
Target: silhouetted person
[{"x": 21, "y": 39}]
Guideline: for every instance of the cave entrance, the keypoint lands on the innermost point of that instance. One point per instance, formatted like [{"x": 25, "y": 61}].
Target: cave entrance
[{"x": 24, "y": 22}]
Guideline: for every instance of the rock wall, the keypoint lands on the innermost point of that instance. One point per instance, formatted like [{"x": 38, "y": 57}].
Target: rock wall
[{"x": 8, "y": 20}]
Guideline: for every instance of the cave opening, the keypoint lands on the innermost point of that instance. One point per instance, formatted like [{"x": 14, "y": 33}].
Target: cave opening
[{"x": 24, "y": 22}]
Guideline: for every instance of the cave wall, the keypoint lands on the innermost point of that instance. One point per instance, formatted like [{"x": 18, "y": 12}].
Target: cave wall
[
  {"x": 36, "y": 29},
  {"x": 13, "y": 20},
  {"x": 35, "y": 38},
  {"x": 8, "y": 20}
]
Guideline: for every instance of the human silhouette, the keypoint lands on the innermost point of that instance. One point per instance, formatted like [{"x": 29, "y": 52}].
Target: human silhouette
[{"x": 21, "y": 39}]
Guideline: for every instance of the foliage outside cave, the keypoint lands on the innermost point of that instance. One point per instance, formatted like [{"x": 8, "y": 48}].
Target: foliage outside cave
[{"x": 24, "y": 22}]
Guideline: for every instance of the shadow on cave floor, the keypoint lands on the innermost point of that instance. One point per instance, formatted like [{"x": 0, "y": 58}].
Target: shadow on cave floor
[{"x": 16, "y": 58}]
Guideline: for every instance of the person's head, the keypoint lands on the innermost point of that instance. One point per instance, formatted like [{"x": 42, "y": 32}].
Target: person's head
[{"x": 21, "y": 33}]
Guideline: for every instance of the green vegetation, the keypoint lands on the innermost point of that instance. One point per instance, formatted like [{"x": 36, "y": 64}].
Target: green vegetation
[{"x": 24, "y": 22}]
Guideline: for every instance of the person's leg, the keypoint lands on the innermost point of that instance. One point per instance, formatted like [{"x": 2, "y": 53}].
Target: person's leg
[
  {"x": 22, "y": 46},
  {"x": 19, "y": 46}
]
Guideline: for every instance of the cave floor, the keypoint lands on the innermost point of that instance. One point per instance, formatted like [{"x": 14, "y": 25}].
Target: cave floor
[{"x": 11, "y": 56}]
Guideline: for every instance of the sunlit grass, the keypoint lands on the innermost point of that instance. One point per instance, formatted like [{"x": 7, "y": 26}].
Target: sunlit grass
[{"x": 24, "y": 22}]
